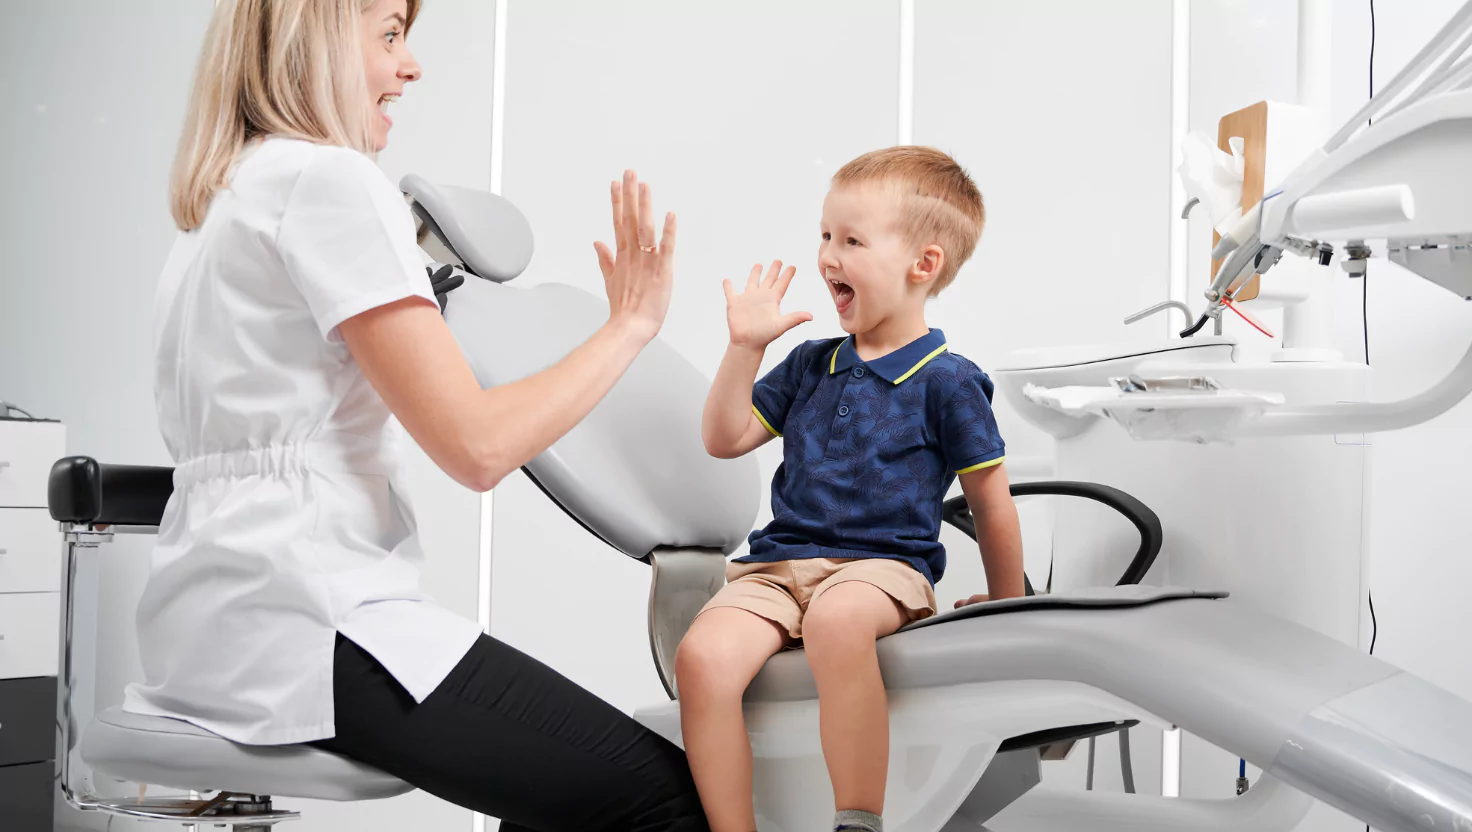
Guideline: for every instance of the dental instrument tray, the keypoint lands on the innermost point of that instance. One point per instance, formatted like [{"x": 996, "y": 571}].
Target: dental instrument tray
[
  {"x": 1184, "y": 408},
  {"x": 1168, "y": 384}
]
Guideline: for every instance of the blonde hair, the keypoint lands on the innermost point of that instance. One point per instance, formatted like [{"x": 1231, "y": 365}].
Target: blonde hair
[
  {"x": 289, "y": 68},
  {"x": 940, "y": 203}
]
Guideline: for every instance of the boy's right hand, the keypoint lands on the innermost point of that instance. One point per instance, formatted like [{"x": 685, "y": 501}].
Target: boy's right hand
[{"x": 755, "y": 315}]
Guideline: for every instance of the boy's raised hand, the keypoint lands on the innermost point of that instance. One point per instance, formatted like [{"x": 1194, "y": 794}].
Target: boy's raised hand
[{"x": 755, "y": 315}]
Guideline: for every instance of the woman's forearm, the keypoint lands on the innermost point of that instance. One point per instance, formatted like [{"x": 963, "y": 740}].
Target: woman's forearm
[
  {"x": 479, "y": 436},
  {"x": 515, "y": 422}
]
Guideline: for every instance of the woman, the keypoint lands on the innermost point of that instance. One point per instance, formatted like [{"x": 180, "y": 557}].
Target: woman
[{"x": 293, "y": 317}]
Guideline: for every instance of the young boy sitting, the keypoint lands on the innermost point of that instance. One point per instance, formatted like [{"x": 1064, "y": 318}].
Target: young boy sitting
[{"x": 874, "y": 427}]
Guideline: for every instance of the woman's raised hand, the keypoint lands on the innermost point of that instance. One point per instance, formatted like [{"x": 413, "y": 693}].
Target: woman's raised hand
[{"x": 639, "y": 274}]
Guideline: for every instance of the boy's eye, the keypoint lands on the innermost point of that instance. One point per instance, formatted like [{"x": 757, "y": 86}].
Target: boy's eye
[
  {"x": 827, "y": 236},
  {"x": 851, "y": 241}
]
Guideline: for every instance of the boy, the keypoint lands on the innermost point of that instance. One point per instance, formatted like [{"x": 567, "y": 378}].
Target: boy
[{"x": 874, "y": 428}]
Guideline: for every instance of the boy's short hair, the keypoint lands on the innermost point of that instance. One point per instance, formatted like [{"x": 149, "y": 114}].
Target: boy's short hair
[{"x": 940, "y": 202}]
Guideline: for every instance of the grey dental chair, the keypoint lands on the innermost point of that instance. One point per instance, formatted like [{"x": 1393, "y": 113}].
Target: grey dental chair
[{"x": 979, "y": 696}]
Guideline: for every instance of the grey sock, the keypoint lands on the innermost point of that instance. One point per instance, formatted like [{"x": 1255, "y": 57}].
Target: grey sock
[{"x": 855, "y": 820}]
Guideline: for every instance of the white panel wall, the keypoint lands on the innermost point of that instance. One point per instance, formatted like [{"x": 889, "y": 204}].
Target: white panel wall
[
  {"x": 1061, "y": 112},
  {"x": 1420, "y": 483},
  {"x": 737, "y": 114}
]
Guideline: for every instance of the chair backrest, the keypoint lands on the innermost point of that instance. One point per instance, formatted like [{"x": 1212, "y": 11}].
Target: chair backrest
[{"x": 635, "y": 471}]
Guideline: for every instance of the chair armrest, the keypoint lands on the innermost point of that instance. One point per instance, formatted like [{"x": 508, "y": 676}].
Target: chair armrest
[
  {"x": 956, "y": 512},
  {"x": 84, "y": 491}
]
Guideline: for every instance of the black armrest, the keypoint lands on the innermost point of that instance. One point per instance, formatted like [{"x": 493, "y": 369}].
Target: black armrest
[
  {"x": 956, "y": 512},
  {"x": 83, "y": 490}
]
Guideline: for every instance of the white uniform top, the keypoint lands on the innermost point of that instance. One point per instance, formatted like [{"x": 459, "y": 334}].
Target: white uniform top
[{"x": 287, "y": 524}]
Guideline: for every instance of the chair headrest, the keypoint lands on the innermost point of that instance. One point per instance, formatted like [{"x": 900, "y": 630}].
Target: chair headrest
[{"x": 484, "y": 232}]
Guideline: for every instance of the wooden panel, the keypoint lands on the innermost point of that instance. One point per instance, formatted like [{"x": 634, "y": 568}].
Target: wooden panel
[{"x": 1251, "y": 123}]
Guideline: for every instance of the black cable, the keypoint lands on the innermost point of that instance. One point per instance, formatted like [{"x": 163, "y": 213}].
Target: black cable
[
  {"x": 1372, "y": 52},
  {"x": 1374, "y": 625}
]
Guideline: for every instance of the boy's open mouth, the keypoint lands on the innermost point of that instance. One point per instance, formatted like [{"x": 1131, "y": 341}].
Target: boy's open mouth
[{"x": 843, "y": 294}]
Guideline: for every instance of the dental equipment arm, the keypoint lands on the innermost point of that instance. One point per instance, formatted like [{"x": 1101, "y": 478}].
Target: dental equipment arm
[{"x": 1394, "y": 187}]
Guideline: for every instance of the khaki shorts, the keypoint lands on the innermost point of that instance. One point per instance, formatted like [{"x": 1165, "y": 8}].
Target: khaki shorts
[{"x": 782, "y": 591}]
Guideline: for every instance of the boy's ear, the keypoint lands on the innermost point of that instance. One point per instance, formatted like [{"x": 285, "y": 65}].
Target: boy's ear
[{"x": 927, "y": 267}]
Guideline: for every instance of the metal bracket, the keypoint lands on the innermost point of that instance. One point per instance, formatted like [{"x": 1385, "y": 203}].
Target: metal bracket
[{"x": 683, "y": 581}]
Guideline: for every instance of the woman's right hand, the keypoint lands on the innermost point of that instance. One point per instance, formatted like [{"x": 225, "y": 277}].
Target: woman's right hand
[
  {"x": 755, "y": 315},
  {"x": 639, "y": 275}
]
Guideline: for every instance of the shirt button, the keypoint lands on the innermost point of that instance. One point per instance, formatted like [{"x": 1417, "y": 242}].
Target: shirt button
[
  {"x": 843, "y": 410},
  {"x": 858, "y": 372}
]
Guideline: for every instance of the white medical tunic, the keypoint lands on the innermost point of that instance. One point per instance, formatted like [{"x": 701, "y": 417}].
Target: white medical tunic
[{"x": 288, "y": 523}]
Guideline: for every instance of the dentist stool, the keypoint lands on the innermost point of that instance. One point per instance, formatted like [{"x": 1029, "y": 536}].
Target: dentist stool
[{"x": 94, "y": 502}]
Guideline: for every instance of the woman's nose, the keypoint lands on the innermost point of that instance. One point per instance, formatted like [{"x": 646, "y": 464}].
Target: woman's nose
[{"x": 410, "y": 70}]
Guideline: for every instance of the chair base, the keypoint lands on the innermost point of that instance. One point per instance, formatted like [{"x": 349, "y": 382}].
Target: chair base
[{"x": 241, "y": 812}]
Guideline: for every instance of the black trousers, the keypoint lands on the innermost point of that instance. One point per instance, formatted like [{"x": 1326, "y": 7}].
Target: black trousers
[{"x": 509, "y": 737}]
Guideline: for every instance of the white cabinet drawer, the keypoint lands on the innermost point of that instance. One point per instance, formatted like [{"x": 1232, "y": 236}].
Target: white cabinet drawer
[
  {"x": 30, "y": 551},
  {"x": 27, "y": 450},
  {"x": 30, "y": 634}
]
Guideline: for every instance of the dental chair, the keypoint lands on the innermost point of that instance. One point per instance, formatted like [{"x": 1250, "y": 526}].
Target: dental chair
[{"x": 978, "y": 697}]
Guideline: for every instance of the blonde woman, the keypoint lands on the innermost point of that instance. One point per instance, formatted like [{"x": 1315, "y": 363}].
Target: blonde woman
[{"x": 293, "y": 318}]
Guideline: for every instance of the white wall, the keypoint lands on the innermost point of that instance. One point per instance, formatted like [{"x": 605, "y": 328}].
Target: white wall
[
  {"x": 1420, "y": 484},
  {"x": 737, "y": 114}
]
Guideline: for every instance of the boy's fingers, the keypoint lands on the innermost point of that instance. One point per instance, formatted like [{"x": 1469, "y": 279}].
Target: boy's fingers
[
  {"x": 791, "y": 320},
  {"x": 754, "y": 279},
  {"x": 786, "y": 279},
  {"x": 729, "y": 289},
  {"x": 772, "y": 273}
]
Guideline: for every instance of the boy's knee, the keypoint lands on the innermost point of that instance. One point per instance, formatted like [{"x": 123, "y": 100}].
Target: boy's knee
[
  {"x": 702, "y": 665},
  {"x": 850, "y": 615}
]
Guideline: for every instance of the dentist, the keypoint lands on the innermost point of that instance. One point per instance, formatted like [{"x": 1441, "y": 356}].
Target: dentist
[{"x": 293, "y": 319}]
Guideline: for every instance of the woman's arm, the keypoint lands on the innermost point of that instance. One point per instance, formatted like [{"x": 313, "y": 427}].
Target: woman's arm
[{"x": 479, "y": 436}]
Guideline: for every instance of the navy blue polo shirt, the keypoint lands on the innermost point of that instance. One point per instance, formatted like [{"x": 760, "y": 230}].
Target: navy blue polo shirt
[{"x": 870, "y": 449}]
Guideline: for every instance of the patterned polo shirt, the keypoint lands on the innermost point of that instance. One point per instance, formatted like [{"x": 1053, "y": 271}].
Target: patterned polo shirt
[{"x": 870, "y": 449}]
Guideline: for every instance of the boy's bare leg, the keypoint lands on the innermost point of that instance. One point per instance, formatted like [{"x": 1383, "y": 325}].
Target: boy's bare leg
[
  {"x": 723, "y": 651},
  {"x": 839, "y": 632}
]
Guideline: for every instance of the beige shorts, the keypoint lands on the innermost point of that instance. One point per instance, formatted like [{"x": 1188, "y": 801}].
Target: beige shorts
[{"x": 782, "y": 591}]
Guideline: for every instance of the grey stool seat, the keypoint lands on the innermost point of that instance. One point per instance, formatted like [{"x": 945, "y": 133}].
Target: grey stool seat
[{"x": 176, "y": 754}]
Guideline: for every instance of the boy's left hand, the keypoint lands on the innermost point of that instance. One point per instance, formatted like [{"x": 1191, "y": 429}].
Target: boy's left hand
[{"x": 975, "y": 599}]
